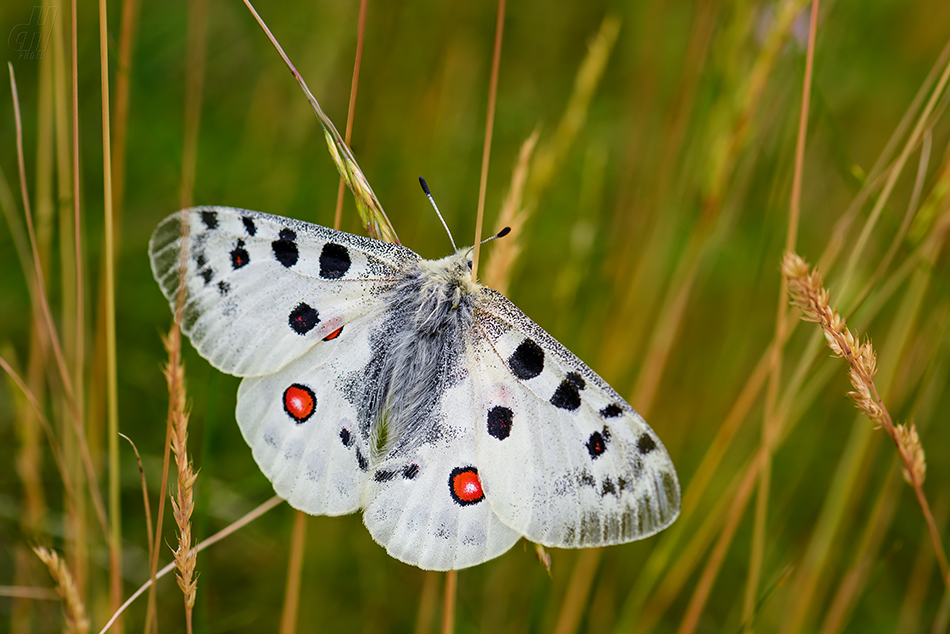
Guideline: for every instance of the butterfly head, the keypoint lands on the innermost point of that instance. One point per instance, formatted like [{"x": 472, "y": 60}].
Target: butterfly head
[{"x": 451, "y": 272}]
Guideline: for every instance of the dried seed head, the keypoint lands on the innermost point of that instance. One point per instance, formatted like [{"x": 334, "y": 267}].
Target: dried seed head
[
  {"x": 75, "y": 613},
  {"x": 909, "y": 444}
]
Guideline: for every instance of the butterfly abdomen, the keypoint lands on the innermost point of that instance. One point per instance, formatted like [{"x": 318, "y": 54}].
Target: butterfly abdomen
[{"x": 415, "y": 349}]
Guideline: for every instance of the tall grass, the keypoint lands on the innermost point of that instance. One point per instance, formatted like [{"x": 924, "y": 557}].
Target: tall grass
[{"x": 646, "y": 155}]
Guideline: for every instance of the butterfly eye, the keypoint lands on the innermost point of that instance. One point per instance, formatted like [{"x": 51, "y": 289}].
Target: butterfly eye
[{"x": 470, "y": 264}]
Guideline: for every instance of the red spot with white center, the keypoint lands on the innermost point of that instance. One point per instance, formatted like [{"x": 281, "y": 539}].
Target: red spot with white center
[
  {"x": 299, "y": 402},
  {"x": 465, "y": 486}
]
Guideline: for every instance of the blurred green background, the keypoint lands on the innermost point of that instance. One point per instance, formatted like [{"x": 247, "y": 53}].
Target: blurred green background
[{"x": 652, "y": 250}]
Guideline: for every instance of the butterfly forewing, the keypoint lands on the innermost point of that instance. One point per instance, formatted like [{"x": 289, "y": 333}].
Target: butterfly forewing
[
  {"x": 261, "y": 289},
  {"x": 564, "y": 460}
]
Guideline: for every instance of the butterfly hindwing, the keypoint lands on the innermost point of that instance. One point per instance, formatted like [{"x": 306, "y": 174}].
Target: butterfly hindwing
[
  {"x": 261, "y": 289},
  {"x": 427, "y": 507},
  {"x": 303, "y": 427},
  {"x": 564, "y": 460}
]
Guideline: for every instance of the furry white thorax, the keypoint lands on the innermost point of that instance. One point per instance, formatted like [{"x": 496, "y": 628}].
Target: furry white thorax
[{"x": 429, "y": 313}]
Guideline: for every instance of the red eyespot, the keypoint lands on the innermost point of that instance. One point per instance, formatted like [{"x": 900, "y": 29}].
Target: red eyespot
[
  {"x": 333, "y": 335},
  {"x": 465, "y": 486},
  {"x": 299, "y": 402}
]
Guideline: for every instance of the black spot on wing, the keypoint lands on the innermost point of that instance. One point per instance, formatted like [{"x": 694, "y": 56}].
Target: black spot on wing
[
  {"x": 303, "y": 318},
  {"x": 566, "y": 396},
  {"x": 499, "y": 422},
  {"x": 223, "y": 288},
  {"x": 334, "y": 261},
  {"x": 586, "y": 479},
  {"x": 611, "y": 411},
  {"x": 200, "y": 259},
  {"x": 239, "y": 256},
  {"x": 596, "y": 444},
  {"x": 527, "y": 361},
  {"x": 576, "y": 380},
  {"x": 285, "y": 248},
  {"x": 410, "y": 471},
  {"x": 645, "y": 444},
  {"x": 346, "y": 438},
  {"x": 207, "y": 275},
  {"x": 210, "y": 219},
  {"x": 361, "y": 460},
  {"x": 249, "y": 225},
  {"x": 383, "y": 475}
]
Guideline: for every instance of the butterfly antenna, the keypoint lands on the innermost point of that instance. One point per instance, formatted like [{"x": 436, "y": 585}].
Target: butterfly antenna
[
  {"x": 425, "y": 188},
  {"x": 500, "y": 234}
]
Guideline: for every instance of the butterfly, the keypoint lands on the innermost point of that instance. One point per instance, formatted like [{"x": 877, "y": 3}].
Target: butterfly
[{"x": 377, "y": 380}]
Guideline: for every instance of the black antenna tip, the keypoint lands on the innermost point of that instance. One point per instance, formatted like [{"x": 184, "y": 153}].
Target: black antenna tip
[
  {"x": 503, "y": 232},
  {"x": 425, "y": 187}
]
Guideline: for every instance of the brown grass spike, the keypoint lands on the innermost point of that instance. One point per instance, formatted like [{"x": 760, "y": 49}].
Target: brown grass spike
[
  {"x": 183, "y": 503},
  {"x": 75, "y": 612},
  {"x": 807, "y": 292}
]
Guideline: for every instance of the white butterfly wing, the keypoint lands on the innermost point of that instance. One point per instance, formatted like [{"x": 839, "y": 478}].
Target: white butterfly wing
[
  {"x": 563, "y": 459},
  {"x": 427, "y": 508},
  {"x": 304, "y": 431},
  {"x": 261, "y": 290}
]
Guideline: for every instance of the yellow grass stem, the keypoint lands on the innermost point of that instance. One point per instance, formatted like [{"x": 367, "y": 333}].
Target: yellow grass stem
[
  {"x": 578, "y": 590},
  {"x": 919, "y": 579},
  {"x": 74, "y": 611},
  {"x": 427, "y": 602},
  {"x": 39, "y": 298},
  {"x": 29, "y": 469},
  {"x": 497, "y": 273},
  {"x": 194, "y": 85},
  {"x": 528, "y": 187},
  {"x": 448, "y": 602},
  {"x": 237, "y": 525},
  {"x": 923, "y": 121},
  {"x": 17, "y": 232},
  {"x": 858, "y": 573},
  {"x": 288, "y": 618},
  {"x": 704, "y": 586},
  {"x": 112, "y": 395},
  {"x": 145, "y": 503},
  {"x": 32, "y": 463},
  {"x": 489, "y": 127},
  {"x": 151, "y": 618},
  {"x": 351, "y": 108},
  {"x": 687, "y": 560},
  {"x": 127, "y": 33},
  {"x": 371, "y": 212},
  {"x": 725, "y": 153},
  {"x": 79, "y": 354},
  {"x": 769, "y": 422},
  {"x": 29, "y": 592},
  {"x": 72, "y": 321}
]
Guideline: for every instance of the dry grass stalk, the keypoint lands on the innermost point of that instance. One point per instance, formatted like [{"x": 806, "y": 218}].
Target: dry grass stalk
[
  {"x": 489, "y": 127},
  {"x": 513, "y": 214},
  {"x": 809, "y": 294},
  {"x": 75, "y": 612},
  {"x": 183, "y": 503}
]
